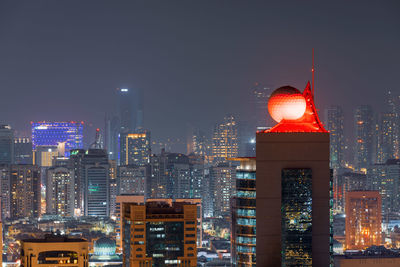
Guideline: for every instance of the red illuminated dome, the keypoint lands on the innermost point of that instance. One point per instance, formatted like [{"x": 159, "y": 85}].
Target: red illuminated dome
[{"x": 286, "y": 103}]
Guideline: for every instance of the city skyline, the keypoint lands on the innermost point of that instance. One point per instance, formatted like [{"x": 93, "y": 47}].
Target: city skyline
[{"x": 187, "y": 61}]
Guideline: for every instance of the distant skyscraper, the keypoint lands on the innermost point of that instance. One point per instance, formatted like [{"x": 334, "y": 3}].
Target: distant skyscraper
[
  {"x": 132, "y": 180},
  {"x": 60, "y": 191},
  {"x": 22, "y": 150},
  {"x": 159, "y": 234},
  {"x": 364, "y": 131},
  {"x": 293, "y": 184},
  {"x": 113, "y": 185},
  {"x": 385, "y": 178},
  {"x": 225, "y": 139},
  {"x": 53, "y": 133},
  {"x": 260, "y": 96},
  {"x": 387, "y": 142},
  {"x": 5, "y": 190},
  {"x": 393, "y": 102},
  {"x": 223, "y": 177},
  {"x": 112, "y": 130},
  {"x": 201, "y": 144},
  {"x": 130, "y": 104},
  {"x": 96, "y": 183},
  {"x": 76, "y": 164},
  {"x": 363, "y": 220},
  {"x": 334, "y": 124},
  {"x": 25, "y": 191},
  {"x": 135, "y": 148},
  {"x": 243, "y": 231},
  {"x": 6, "y": 144}
]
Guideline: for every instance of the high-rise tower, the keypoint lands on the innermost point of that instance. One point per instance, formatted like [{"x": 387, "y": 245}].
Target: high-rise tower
[
  {"x": 334, "y": 124},
  {"x": 363, "y": 121},
  {"x": 130, "y": 104},
  {"x": 225, "y": 139},
  {"x": 293, "y": 184},
  {"x": 6, "y": 144}
]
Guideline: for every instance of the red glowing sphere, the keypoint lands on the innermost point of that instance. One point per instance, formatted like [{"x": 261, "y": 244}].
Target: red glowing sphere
[{"x": 286, "y": 103}]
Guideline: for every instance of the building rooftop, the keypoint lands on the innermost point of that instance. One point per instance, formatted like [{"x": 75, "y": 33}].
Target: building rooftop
[{"x": 50, "y": 238}]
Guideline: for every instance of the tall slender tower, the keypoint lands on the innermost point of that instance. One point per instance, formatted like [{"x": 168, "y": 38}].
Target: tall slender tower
[{"x": 293, "y": 184}]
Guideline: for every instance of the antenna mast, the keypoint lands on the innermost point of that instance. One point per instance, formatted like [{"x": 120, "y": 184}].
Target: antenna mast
[{"x": 312, "y": 70}]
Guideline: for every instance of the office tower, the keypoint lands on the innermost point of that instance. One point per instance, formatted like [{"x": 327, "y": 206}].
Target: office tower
[
  {"x": 113, "y": 185},
  {"x": 243, "y": 233},
  {"x": 197, "y": 172},
  {"x": 364, "y": 125},
  {"x": 201, "y": 145},
  {"x": 135, "y": 148},
  {"x": 132, "y": 180},
  {"x": 393, "y": 102},
  {"x": 5, "y": 191},
  {"x": 225, "y": 139},
  {"x": 60, "y": 191},
  {"x": 334, "y": 123},
  {"x": 363, "y": 220},
  {"x": 130, "y": 103},
  {"x": 385, "y": 178},
  {"x": 22, "y": 150},
  {"x": 43, "y": 155},
  {"x": 159, "y": 233},
  {"x": 76, "y": 164},
  {"x": 53, "y": 133},
  {"x": 25, "y": 191},
  {"x": 54, "y": 250},
  {"x": 347, "y": 181},
  {"x": 96, "y": 171},
  {"x": 387, "y": 143},
  {"x": 6, "y": 144},
  {"x": 260, "y": 116},
  {"x": 112, "y": 137},
  {"x": 223, "y": 186},
  {"x": 293, "y": 184}
]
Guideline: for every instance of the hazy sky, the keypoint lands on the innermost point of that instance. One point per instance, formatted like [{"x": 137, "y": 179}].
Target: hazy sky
[{"x": 195, "y": 60}]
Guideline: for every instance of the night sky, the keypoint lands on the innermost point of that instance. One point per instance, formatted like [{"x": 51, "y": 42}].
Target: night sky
[{"x": 195, "y": 60}]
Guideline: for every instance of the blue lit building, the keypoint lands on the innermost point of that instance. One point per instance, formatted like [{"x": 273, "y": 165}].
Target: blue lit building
[
  {"x": 243, "y": 243},
  {"x": 52, "y": 133}
]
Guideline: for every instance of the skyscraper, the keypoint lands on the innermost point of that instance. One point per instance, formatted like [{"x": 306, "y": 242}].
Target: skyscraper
[
  {"x": 293, "y": 184},
  {"x": 159, "y": 233},
  {"x": 334, "y": 124},
  {"x": 225, "y": 139},
  {"x": 393, "y": 102},
  {"x": 363, "y": 220},
  {"x": 130, "y": 103},
  {"x": 387, "y": 142},
  {"x": 25, "y": 191},
  {"x": 132, "y": 179},
  {"x": 135, "y": 148},
  {"x": 364, "y": 125},
  {"x": 60, "y": 191},
  {"x": 112, "y": 130},
  {"x": 96, "y": 183},
  {"x": 243, "y": 242},
  {"x": 6, "y": 144},
  {"x": 260, "y": 116},
  {"x": 22, "y": 150},
  {"x": 53, "y": 133}
]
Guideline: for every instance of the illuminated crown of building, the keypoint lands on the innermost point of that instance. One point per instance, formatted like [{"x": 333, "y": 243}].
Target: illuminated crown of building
[{"x": 294, "y": 111}]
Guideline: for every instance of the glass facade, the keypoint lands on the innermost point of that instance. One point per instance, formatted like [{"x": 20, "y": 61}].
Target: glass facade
[
  {"x": 244, "y": 220},
  {"x": 296, "y": 217},
  {"x": 52, "y": 133}
]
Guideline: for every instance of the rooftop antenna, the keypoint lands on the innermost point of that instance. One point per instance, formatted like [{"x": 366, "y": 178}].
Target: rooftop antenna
[{"x": 312, "y": 70}]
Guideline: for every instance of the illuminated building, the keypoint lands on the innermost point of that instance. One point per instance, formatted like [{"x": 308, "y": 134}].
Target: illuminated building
[
  {"x": 22, "y": 150},
  {"x": 200, "y": 145},
  {"x": 130, "y": 103},
  {"x": 159, "y": 233},
  {"x": 387, "y": 143},
  {"x": 132, "y": 180},
  {"x": 293, "y": 184},
  {"x": 96, "y": 183},
  {"x": 385, "y": 178},
  {"x": 54, "y": 251},
  {"x": 363, "y": 119},
  {"x": 135, "y": 148},
  {"x": 111, "y": 137},
  {"x": 5, "y": 191},
  {"x": 225, "y": 139},
  {"x": 348, "y": 181},
  {"x": 25, "y": 191},
  {"x": 223, "y": 188},
  {"x": 113, "y": 185},
  {"x": 118, "y": 211},
  {"x": 60, "y": 191},
  {"x": 334, "y": 124},
  {"x": 44, "y": 155},
  {"x": 76, "y": 164},
  {"x": 6, "y": 144},
  {"x": 243, "y": 233},
  {"x": 363, "y": 220},
  {"x": 52, "y": 133},
  {"x": 393, "y": 102}
]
